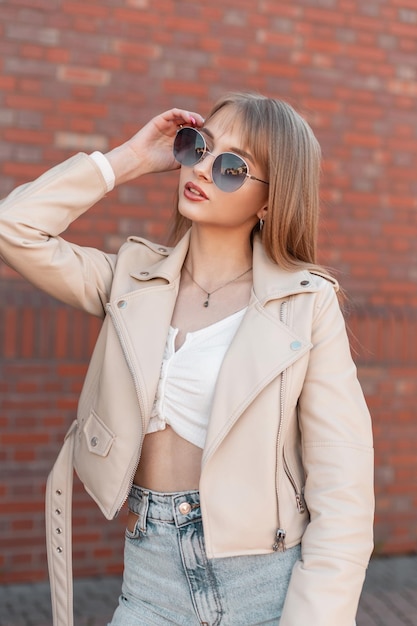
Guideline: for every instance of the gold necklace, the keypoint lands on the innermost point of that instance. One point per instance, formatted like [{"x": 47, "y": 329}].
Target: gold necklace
[{"x": 209, "y": 293}]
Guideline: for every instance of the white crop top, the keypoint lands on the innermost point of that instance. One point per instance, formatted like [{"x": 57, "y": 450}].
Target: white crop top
[{"x": 188, "y": 379}]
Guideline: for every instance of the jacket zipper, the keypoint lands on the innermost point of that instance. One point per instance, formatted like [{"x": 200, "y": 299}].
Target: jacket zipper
[
  {"x": 299, "y": 496},
  {"x": 132, "y": 468},
  {"x": 280, "y": 533}
]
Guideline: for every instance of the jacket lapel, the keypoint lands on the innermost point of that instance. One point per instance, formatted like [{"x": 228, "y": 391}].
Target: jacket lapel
[
  {"x": 263, "y": 343},
  {"x": 141, "y": 320},
  {"x": 142, "y": 317},
  {"x": 266, "y": 346}
]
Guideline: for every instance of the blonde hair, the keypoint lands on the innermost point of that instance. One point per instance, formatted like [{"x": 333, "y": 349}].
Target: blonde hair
[{"x": 287, "y": 151}]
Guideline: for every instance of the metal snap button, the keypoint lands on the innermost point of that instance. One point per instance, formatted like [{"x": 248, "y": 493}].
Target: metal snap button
[
  {"x": 58, "y": 531},
  {"x": 304, "y": 283},
  {"x": 122, "y": 304},
  {"x": 184, "y": 508},
  {"x": 144, "y": 273},
  {"x": 162, "y": 249},
  {"x": 59, "y": 549},
  {"x": 94, "y": 441}
]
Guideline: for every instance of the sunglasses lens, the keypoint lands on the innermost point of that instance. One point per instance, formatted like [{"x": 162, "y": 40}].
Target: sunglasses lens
[
  {"x": 229, "y": 171},
  {"x": 189, "y": 146}
]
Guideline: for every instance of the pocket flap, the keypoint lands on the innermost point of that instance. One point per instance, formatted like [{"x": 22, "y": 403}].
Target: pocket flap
[{"x": 98, "y": 436}]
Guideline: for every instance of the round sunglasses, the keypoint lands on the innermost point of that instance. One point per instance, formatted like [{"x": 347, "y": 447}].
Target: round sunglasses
[{"x": 229, "y": 171}]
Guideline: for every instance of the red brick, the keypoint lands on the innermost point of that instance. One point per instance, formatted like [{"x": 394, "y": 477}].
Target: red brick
[
  {"x": 179, "y": 86},
  {"x": 110, "y": 61},
  {"x": 58, "y": 55},
  {"x": 188, "y": 25},
  {"x": 84, "y": 8},
  {"x": 132, "y": 16},
  {"x": 28, "y": 85},
  {"x": 402, "y": 30},
  {"x": 23, "y": 455},
  {"x": 18, "y": 439},
  {"x": 324, "y": 16},
  {"x": 27, "y": 135},
  {"x": 32, "y": 52},
  {"x": 7, "y": 83},
  {"x": 83, "y": 75},
  {"x": 135, "y": 49},
  {"x": 90, "y": 109},
  {"x": 10, "y": 333}
]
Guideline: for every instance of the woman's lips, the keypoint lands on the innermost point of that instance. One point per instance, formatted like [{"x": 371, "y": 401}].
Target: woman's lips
[{"x": 193, "y": 192}]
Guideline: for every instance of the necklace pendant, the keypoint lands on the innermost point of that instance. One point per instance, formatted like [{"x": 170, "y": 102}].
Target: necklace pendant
[{"x": 209, "y": 293}]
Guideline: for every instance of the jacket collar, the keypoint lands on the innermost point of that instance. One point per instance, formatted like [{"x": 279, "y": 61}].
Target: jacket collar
[
  {"x": 169, "y": 260},
  {"x": 270, "y": 281}
]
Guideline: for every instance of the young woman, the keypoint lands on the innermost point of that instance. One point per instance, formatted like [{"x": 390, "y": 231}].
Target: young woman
[{"x": 221, "y": 400}]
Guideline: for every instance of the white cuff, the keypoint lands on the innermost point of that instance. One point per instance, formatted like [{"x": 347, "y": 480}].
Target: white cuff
[{"x": 105, "y": 168}]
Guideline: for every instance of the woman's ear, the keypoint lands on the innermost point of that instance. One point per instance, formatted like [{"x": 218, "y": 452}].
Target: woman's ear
[{"x": 261, "y": 214}]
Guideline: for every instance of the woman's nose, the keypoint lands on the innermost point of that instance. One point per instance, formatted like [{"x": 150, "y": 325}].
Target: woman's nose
[{"x": 204, "y": 166}]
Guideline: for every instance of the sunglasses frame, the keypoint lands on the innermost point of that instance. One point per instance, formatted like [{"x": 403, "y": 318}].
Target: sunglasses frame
[{"x": 215, "y": 157}]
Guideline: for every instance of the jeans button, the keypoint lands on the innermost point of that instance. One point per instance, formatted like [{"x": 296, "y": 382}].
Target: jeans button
[{"x": 184, "y": 508}]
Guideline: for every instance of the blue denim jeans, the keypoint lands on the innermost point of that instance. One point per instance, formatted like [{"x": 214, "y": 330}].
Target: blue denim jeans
[{"x": 168, "y": 578}]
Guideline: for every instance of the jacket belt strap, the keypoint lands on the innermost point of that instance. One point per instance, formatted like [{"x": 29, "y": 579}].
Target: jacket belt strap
[{"x": 58, "y": 510}]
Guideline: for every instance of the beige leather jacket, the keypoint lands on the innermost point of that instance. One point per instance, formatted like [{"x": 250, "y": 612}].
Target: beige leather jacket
[{"x": 288, "y": 456}]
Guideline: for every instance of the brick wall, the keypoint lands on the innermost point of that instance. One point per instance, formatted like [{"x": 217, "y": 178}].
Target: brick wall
[{"x": 85, "y": 75}]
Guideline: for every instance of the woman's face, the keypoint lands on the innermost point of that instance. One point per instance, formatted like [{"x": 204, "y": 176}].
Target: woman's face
[{"x": 201, "y": 201}]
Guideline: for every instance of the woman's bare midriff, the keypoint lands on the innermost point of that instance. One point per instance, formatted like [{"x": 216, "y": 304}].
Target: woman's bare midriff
[{"x": 168, "y": 463}]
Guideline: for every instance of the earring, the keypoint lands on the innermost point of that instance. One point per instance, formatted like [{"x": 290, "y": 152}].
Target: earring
[{"x": 261, "y": 224}]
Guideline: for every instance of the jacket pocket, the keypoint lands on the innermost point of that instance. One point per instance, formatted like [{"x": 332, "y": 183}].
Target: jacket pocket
[{"x": 99, "y": 437}]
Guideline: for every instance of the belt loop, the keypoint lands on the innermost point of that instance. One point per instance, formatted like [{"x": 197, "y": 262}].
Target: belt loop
[{"x": 143, "y": 510}]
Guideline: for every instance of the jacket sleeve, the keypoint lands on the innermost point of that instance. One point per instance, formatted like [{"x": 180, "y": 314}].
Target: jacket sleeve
[
  {"x": 337, "y": 451},
  {"x": 31, "y": 220}
]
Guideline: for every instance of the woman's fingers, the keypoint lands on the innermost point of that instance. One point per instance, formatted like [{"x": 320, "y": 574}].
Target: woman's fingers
[
  {"x": 172, "y": 119},
  {"x": 150, "y": 149}
]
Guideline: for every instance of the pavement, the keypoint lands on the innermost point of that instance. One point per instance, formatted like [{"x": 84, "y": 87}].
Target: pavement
[{"x": 389, "y": 598}]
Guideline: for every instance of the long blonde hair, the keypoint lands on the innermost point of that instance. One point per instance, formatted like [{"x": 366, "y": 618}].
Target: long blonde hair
[{"x": 286, "y": 149}]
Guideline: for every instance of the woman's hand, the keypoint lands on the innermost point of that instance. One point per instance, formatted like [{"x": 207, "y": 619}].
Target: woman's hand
[{"x": 150, "y": 150}]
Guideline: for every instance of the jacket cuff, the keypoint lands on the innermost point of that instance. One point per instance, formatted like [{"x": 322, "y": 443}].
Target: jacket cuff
[{"x": 105, "y": 168}]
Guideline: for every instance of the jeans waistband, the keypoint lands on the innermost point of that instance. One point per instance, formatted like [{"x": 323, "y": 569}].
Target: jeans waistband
[{"x": 179, "y": 508}]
